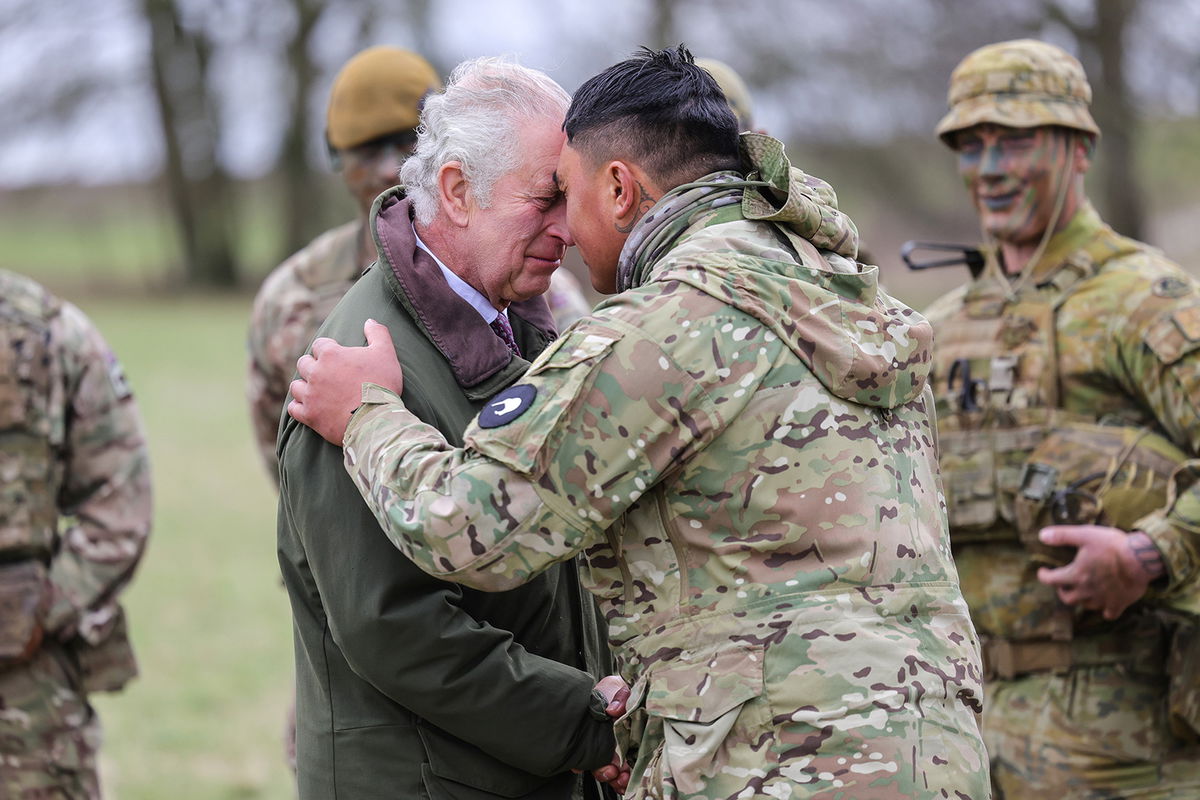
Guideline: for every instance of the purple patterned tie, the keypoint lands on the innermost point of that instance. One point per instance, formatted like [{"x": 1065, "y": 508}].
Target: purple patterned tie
[{"x": 504, "y": 331}]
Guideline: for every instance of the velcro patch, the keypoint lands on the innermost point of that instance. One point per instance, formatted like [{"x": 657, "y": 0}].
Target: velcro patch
[
  {"x": 116, "y": 376},
  {"x": 507, "y": 406},
  {"x": 1188, "y": 320}
]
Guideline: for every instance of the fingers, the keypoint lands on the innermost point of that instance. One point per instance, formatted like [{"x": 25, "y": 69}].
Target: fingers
[
  {"x": 1062, "y": 535},
  {"x": 376, "y": 333},
  {"x": 299, "y": 412},
  {"x": 606, "y": 774},
  {"x": 299, "y": 390},
  {"x": 1060, "y": 576},
  {"x": 321, "y": 346},
  {"x": 305, "y": 365},
  {"x": 616, "y": 706},
  {"x": 616, "y": 693},
  {"x": 621, "y": 783}
]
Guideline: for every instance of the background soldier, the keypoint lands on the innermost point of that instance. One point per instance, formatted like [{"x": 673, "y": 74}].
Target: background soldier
[
  {"x": 374, "y": 106},
  {"x": 741, "y": 442},
  {"x": 74, "y": 516},
  {"x": 734, "y": 89},
  {"x": 1069, "y": 325}
]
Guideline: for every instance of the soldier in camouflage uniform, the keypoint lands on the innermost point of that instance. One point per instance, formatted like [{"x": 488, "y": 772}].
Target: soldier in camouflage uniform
[
  {"x": 74, "y": 517},
  {"x": 371, "y": 120},
  {"x": 741, "y": 442},
  {"x": 374, "y": 108},
  {"x": 1068, "y": 324}
]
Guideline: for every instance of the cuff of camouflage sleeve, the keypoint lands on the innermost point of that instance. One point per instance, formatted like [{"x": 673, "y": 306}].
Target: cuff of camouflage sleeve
[
  {"x": 374, "y": 394},
  {"x": 374, "y": 397},
  {"x": 1172, "y": 545}
]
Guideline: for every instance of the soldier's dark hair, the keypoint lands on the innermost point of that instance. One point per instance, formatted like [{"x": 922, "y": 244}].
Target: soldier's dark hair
[{"x": 659, "y": 110}]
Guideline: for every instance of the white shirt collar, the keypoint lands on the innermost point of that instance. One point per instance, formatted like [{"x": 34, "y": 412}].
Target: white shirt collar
[{"x": 461, "y": 288}]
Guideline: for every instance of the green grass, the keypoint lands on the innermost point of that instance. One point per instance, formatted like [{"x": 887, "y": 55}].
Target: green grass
[{"x": 209, "y": 618}]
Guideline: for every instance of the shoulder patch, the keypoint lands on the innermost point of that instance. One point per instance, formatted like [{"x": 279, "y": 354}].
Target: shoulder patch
[
  {"x": 1171, "y": 287},
  {"x": 116, "y": 376},
  {"x": 507, "y": 406}
]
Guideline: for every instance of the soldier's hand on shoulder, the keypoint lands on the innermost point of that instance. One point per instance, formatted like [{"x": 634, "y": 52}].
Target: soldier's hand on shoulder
[
  {"x": 331, "y": 379},
  {"x": 1107, "y": 573}
]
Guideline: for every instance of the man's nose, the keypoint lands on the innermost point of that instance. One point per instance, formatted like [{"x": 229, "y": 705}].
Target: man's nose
[
  {"x": 556, "y": 220},
  {"x": 389, "y": 161},
  {"x": 991, "y": 161}
]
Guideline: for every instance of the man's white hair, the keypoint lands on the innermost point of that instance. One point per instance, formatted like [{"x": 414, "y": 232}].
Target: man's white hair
[{"x": 476, "y": 120}]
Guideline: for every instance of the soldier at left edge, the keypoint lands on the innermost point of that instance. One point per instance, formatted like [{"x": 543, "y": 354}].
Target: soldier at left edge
[{"x": 75, "y": 512}]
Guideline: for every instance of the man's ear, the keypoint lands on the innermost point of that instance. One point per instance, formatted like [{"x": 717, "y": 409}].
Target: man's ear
[
  {"x": 625, "y": 191},
  {"x": 1084, "y": 152},
  {"x": 453, "y": 193}
]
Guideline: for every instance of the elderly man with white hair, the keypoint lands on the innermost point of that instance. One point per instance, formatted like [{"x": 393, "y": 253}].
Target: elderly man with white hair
[{"x": 408, "y": 686}]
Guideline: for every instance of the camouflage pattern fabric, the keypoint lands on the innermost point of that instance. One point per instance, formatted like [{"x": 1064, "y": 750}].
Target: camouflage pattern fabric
[
  {"x": 290, "y": 305},
  {"x": 1123, "y": 344},
  {"x": 75, "y": 503},
  {"x": 297, "y": 297},
  {"x": 742, "y": 446}
]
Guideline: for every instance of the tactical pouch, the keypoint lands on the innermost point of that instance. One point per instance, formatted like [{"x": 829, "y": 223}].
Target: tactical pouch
[
  {"x": 968, "y": 477},
  {"x": 1183, "y": 667},
  {"x": 1085, "y": 473},
  {"x": 982, "y": 469},
  {"x": 24, "y": 597},
  {"x": 108, "y": 664}
]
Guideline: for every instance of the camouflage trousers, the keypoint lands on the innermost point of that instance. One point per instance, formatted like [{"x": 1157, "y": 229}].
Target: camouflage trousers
[
  {"x": 49, "y": 735},
  {"x": 1098, "y": 733}
]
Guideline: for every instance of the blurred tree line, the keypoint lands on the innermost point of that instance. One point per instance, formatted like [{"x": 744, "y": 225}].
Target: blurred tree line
[{"x": 856, "y": 72}]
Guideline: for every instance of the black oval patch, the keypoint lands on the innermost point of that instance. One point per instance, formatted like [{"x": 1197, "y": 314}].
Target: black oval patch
[
  {"x": 507, "y": 406},
  {"x": 1171, "y": 287}
]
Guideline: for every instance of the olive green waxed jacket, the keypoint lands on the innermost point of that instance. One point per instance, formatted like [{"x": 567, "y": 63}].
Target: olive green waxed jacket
[{"x": 406, "y": 686}]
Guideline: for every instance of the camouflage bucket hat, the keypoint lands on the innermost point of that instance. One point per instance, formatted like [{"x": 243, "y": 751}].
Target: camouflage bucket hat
[{"x": 1022, "y": 84}]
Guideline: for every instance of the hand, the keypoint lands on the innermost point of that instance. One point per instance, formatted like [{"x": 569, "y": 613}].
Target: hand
[
  {"x": 1111, "y": 569},
  {"x": 330, "y": 385},
  {"x": 615, "y": 774},
  {"x": 616, "y": 692}
]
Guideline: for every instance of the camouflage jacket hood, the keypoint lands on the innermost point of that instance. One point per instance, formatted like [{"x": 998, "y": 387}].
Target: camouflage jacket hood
[{"x": 775, "y": 246}]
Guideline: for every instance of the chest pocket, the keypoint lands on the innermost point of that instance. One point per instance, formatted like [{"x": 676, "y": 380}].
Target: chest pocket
[{"x": 559, "y": 378}]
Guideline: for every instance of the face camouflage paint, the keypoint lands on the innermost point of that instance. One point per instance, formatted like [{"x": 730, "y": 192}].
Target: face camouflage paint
[{"x": 1014, "y": 176}]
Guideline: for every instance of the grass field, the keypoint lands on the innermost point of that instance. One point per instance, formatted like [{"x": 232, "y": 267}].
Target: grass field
[{"x": 209, "y": 618}]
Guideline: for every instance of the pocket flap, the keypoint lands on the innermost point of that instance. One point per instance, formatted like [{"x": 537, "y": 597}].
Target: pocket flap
[{"x": 701, "y": 686}]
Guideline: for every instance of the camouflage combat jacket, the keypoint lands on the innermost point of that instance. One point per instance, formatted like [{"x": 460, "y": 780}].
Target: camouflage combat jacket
[
  {"x": 1104, "y": 328},
  {"x": 742, "y": 445},
  {"x": 75, "y": 502}
]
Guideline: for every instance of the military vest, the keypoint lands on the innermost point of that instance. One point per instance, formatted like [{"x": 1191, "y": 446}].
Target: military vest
[
  {"x": 29, "y": 474},
  {"x": 997, "y": 386}
]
